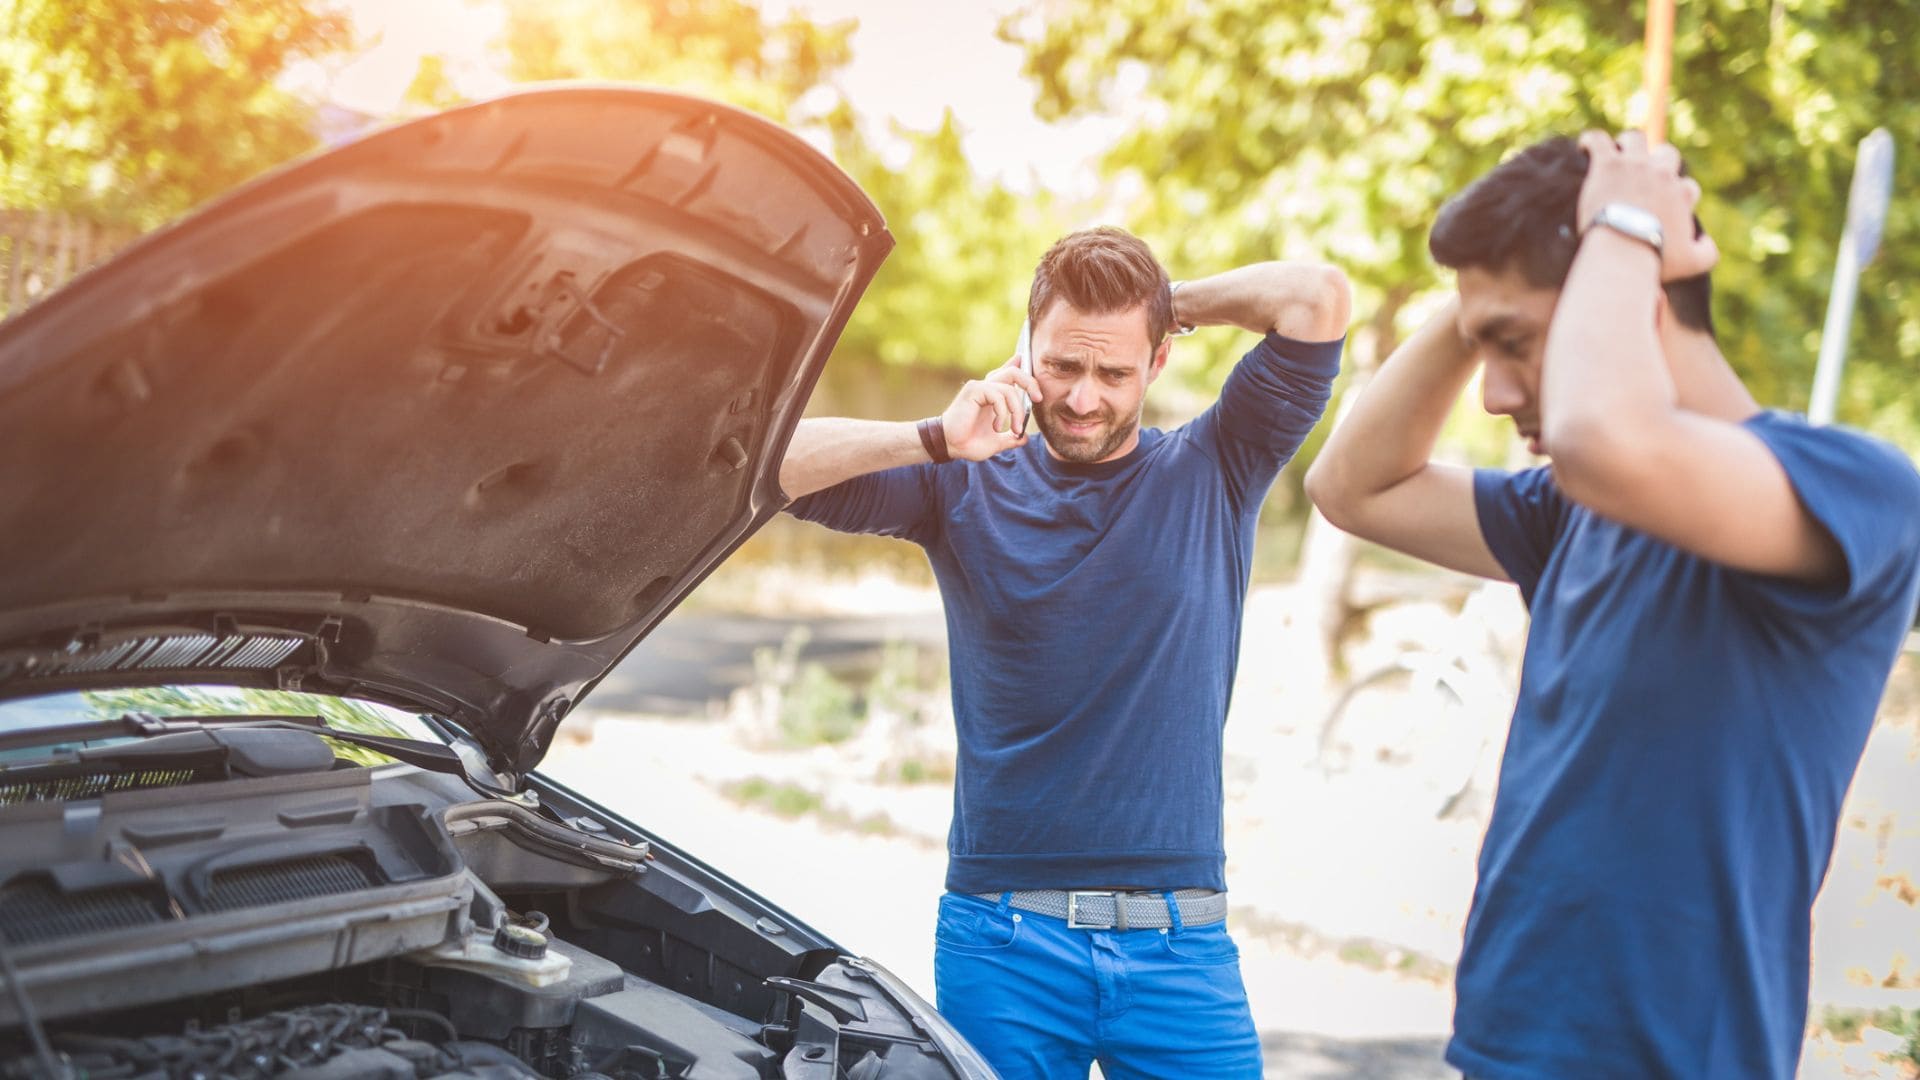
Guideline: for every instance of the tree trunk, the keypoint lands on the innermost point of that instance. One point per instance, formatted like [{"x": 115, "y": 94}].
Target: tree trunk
[{"x": 1323, "y": 583}]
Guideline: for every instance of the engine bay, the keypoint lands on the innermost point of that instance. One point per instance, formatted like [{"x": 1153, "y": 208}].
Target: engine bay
[{"x": 384, "y": 922}]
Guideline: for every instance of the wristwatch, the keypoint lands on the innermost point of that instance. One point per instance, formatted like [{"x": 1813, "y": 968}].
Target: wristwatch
[
  {"x": 1629, "y": 220},
  {"x": 1179, "y": 328}
]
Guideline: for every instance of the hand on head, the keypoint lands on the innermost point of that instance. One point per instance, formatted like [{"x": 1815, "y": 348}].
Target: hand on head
[{"x": 1627, "y": 170}]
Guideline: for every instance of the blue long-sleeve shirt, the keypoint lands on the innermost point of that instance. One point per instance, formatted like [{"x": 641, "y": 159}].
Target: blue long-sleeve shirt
[{"x": 1093, "y": 619}]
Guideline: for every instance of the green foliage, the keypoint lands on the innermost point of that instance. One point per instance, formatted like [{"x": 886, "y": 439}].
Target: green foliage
[
  {"x": 954, "y": 290},
  {"x": 799, "y": 703},
  {"x": 722, "y": 49},
  {"x": 1846, "y": 1025},
  {"x": 132, "y": 111},
  {"x": 1363, "y": 954},
  {"x": 1335, "y": 128},
  {"x": 906, "y": 677},
  {"x": 789, "y": 800},
  {"x": 818, "y": 708},
  {"x": 432, "y": 86},
  {"x": 158, "y": 700},
  {"x": 924, "y": 771}
]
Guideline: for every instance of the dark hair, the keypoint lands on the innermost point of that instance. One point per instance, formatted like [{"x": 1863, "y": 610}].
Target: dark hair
[
  {"x": 1103, "y": 270},
  {"x": 1520, "y": 216}
]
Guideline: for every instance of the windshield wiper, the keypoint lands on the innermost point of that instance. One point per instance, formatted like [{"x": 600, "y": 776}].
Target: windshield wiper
[
  {"x": 141, "y": 725},
  {"x": 432, "y": 756}
]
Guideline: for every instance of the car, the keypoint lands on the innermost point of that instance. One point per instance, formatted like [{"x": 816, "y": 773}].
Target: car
[{"x": 323, "y": 509}]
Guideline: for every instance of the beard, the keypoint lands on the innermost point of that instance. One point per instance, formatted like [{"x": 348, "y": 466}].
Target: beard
[{"x": 1083, "y": 449}]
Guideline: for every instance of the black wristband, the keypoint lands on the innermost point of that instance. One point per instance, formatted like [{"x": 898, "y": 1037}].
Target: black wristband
[{"x": 933, "y": 436}]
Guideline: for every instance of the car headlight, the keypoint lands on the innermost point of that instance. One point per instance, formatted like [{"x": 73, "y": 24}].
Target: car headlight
[{"x": 959, "y": 1053}]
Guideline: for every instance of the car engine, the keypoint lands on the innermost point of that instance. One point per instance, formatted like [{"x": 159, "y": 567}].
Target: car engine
[{"x": 383, "y": 922}]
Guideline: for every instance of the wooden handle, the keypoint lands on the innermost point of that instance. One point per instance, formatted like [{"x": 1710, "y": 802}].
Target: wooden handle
[{"x": 1659, "y": 67}]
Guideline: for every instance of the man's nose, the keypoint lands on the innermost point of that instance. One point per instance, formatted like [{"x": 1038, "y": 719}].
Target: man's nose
[
  {"x": 1080, "y": 397},
  {"x": 1500, "y": 393}
]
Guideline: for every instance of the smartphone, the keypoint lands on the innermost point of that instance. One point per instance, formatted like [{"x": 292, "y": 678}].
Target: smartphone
[{"x": 1023, "y": 355}]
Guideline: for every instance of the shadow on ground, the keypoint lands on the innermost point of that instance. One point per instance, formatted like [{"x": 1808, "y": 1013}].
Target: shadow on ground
[{"x": 1299, "y": 1056}]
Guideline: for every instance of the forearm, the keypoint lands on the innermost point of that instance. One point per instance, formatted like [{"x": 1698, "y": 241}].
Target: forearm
[
  {"x": 1604, "y": 374},
  {"x": 826, "y": 451},
  {"x": 1304, "y": 301},
  {"x": 1375, "y": 477},
  {"x": 1390, "y": 433}
]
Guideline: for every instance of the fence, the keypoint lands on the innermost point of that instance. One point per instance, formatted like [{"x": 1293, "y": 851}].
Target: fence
[{"x": 41, "y": 251}]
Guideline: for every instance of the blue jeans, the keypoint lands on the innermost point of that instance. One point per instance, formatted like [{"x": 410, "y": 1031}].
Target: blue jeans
[{"x": 1043, "y": 1002}]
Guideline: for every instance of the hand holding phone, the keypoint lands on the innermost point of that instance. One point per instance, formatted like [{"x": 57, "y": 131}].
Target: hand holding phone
[{"x": 1023, "y": 358}]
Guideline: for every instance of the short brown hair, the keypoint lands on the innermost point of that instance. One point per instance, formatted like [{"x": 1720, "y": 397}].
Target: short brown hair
[{"x": 1103, "y": 270}]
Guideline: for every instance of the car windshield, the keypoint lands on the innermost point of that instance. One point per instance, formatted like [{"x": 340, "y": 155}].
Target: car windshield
[{"x": 90, "y": 706}]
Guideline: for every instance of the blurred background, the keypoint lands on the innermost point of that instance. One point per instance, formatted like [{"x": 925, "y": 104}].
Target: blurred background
[{"x": 790, "y": 723}]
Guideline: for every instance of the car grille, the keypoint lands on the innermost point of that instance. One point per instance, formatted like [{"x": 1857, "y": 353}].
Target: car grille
[
  {"x": 290, "y": 879},
  {"x": 168, "y": 652},
  {"x": 96, "y": 784},
  {"x": 34, "y": 910}
]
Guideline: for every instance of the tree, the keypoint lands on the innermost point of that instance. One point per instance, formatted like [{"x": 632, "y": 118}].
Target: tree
[
  {"x": 131, "y": 111},
  {"x": 1337, "y": 127},
  {"x": 432, "y": 87},
  {"x": 953, "y": 291},
  {"x": 723, "y": 49}
]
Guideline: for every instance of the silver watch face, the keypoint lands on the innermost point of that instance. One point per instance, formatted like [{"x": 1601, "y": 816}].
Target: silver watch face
[{"x": 1627, "y": 218}]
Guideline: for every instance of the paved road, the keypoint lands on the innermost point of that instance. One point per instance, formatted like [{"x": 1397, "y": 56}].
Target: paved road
[
  {"x": 696, "y": 657},
  {"x": 1299, "y": 1056}
]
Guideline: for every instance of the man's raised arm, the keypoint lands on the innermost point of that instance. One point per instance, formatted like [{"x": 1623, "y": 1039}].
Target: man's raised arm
[
  {"x": 1621, "y": 444},
  {"x": 1374, "y": 477},
  {"x": 1303, "y": 301},
  {"x": 977, "y": 425}
]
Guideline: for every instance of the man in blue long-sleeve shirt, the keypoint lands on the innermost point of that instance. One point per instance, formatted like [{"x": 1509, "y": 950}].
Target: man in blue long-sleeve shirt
[{"x": 1093, "y": 578}]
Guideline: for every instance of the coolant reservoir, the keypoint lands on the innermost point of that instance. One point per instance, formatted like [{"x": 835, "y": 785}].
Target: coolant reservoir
[{"x": 515, "y": 952}]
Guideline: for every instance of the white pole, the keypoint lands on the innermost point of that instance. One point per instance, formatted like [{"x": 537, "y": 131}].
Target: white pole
[
  {"x": 1866, "y": 215},
  {"x": 1833, "y": 336}
]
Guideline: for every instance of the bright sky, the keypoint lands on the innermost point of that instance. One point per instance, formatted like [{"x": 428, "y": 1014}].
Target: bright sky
[
  {"x": 910, "y": 61},
  {"x": 398, "y": 35}
]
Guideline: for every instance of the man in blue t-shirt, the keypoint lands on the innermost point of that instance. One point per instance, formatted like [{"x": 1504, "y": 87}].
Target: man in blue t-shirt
[
  {"x": 1718, "y": 593},
  {"x": 1093, "y": 579}
]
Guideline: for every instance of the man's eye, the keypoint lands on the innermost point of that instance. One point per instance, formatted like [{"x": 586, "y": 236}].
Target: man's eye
[{"x": 1511, "y": 346}]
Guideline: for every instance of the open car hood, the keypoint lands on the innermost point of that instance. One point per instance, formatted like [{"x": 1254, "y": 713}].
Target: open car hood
[{"x": 449, "y": 417}]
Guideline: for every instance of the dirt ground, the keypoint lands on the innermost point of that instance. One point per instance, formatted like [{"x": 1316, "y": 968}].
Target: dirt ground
[
  {"x": 875, "y": 892},
  {"x": 1348, "y": 890}
]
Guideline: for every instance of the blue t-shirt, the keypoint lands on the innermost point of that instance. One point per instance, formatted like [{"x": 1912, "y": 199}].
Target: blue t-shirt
[
  {"x": 1672, "y": 782},
  {"x": 1093, "y": 620}
]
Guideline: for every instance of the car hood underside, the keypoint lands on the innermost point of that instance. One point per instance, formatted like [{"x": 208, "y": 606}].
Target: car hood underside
[{"x": 449, "y": 417}]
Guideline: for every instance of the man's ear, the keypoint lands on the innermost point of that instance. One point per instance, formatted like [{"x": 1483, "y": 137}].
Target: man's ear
[{"x": 1159, "y": 360}]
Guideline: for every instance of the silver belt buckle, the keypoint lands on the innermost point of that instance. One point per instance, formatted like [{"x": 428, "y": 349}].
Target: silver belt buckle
[{"x": 1073, "y": 910}]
